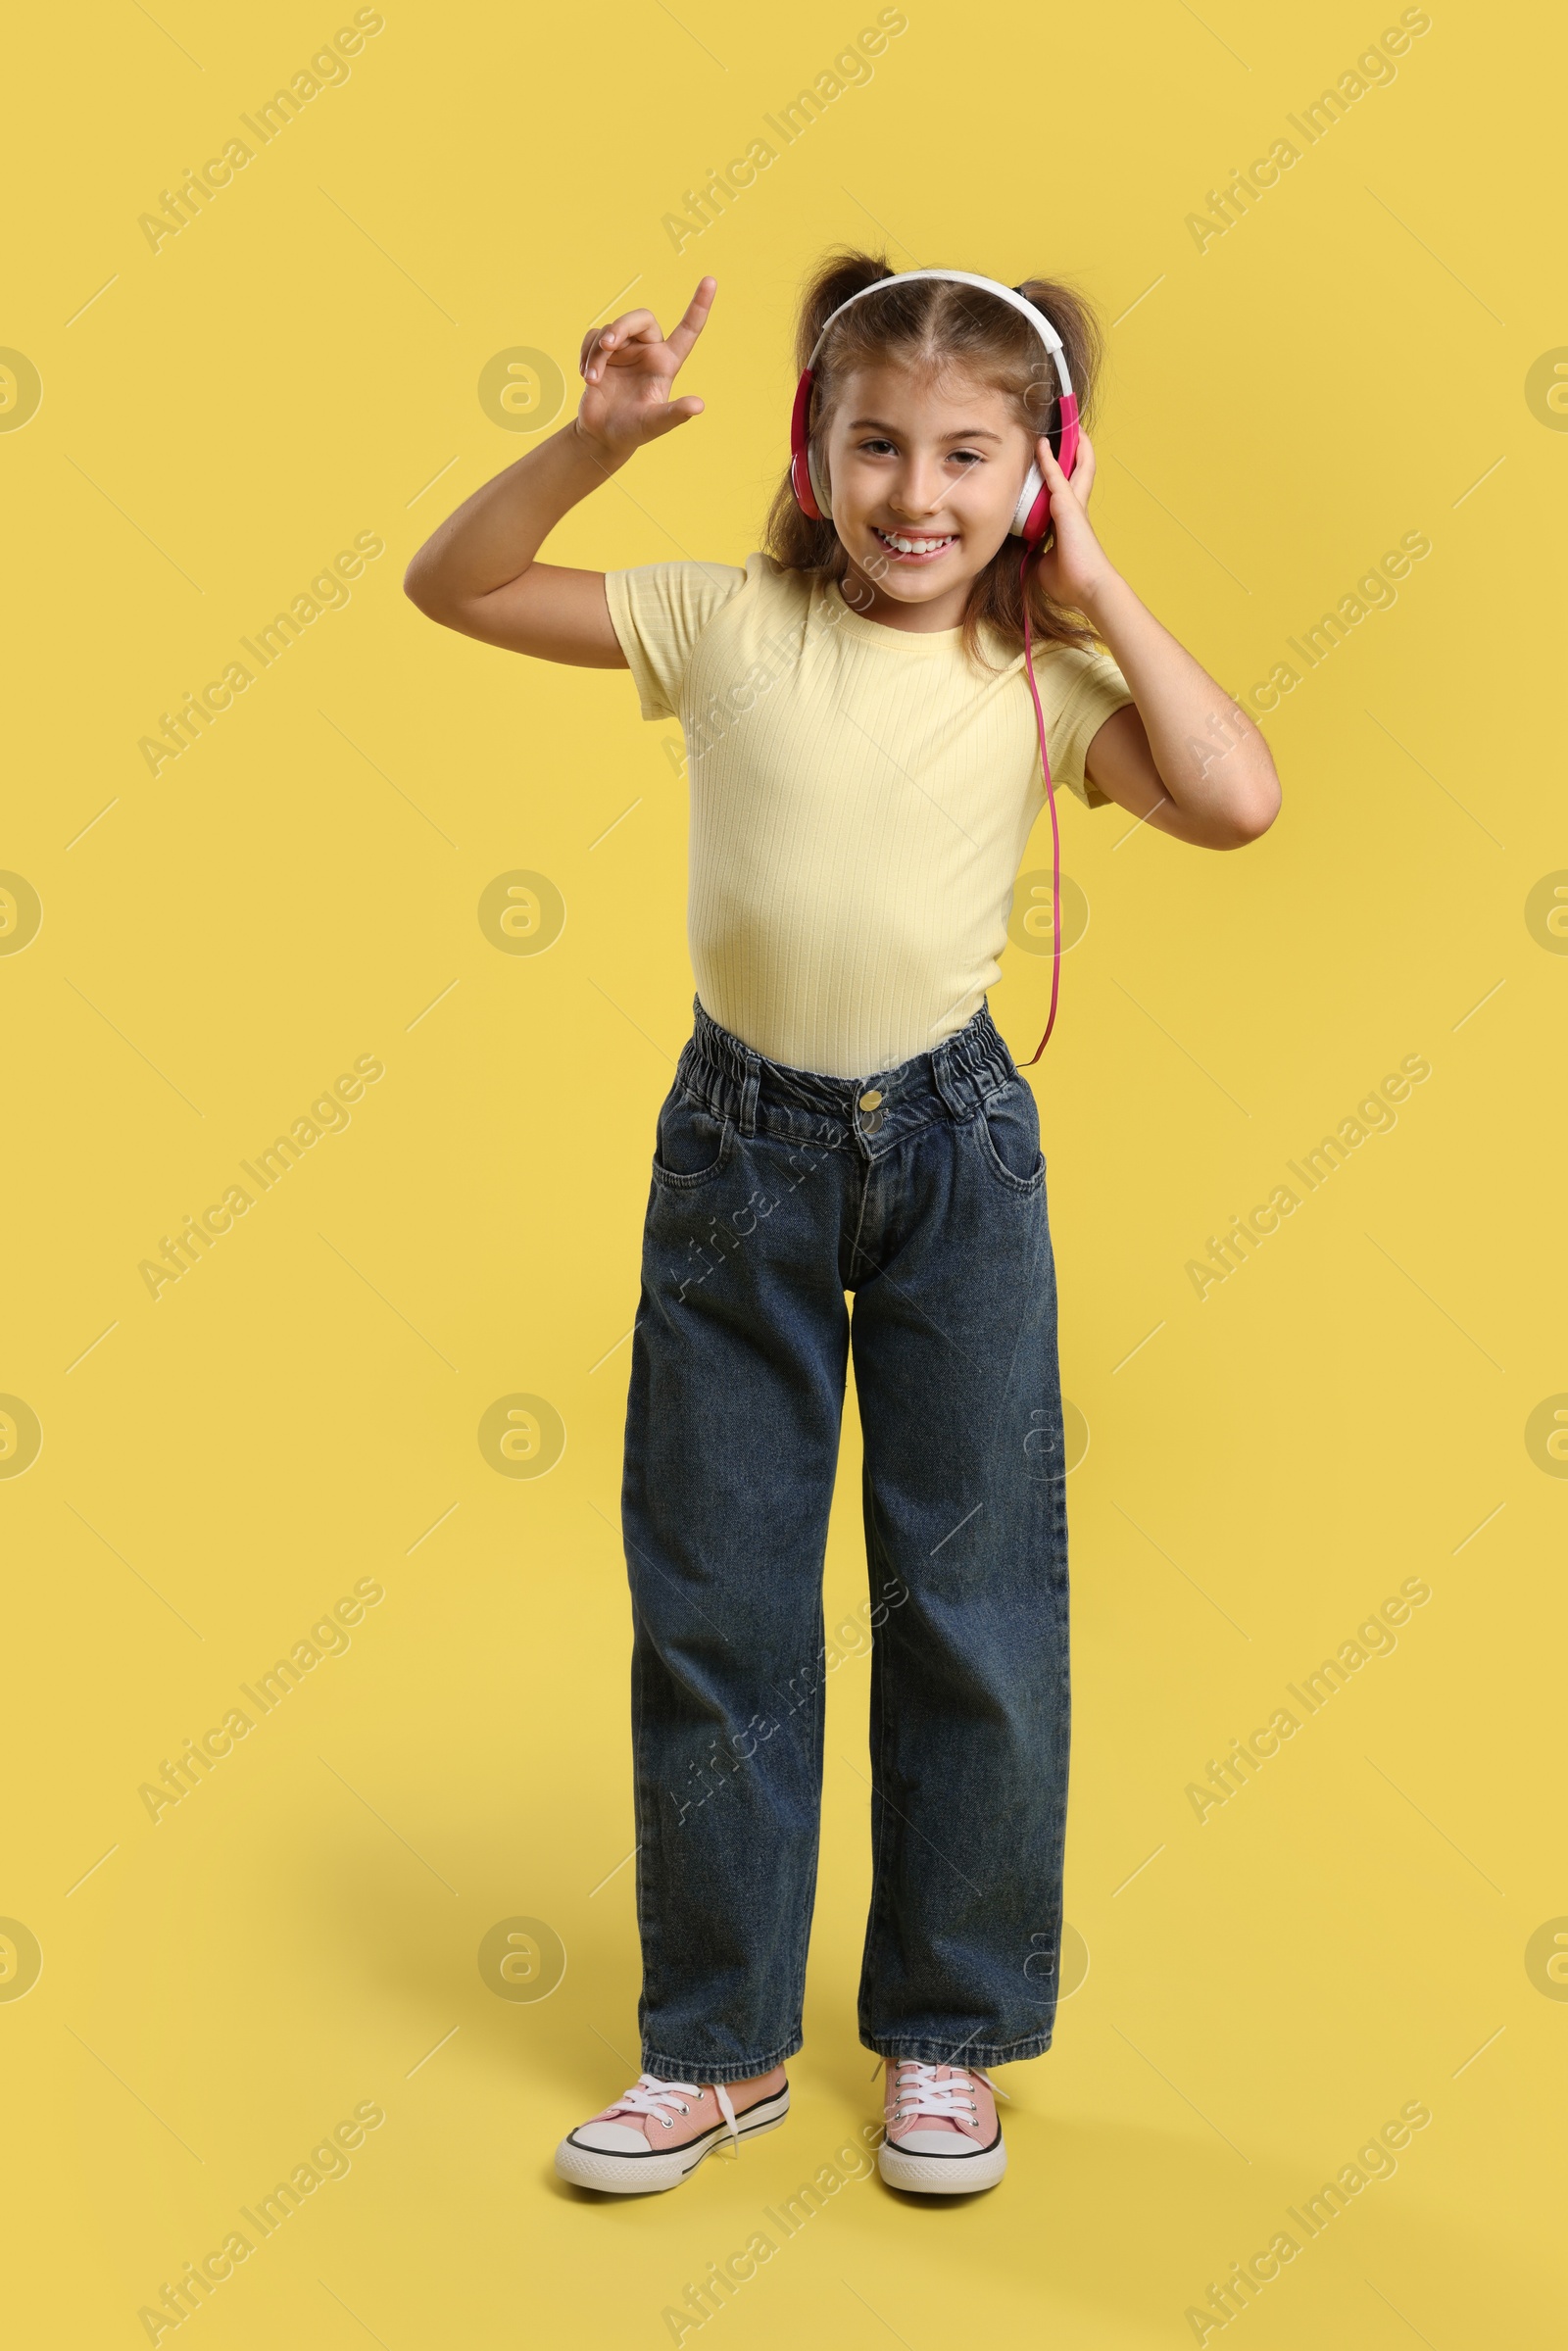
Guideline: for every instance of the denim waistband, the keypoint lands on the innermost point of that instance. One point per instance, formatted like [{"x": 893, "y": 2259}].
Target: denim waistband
[{"x": 736, "y": 1082}]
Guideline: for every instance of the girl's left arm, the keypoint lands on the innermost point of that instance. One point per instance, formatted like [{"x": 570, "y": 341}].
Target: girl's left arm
[{"x": 1184, "y": 756}]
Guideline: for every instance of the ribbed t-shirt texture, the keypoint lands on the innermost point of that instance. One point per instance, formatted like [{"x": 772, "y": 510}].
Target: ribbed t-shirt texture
[{"x": 861, "y": 798}]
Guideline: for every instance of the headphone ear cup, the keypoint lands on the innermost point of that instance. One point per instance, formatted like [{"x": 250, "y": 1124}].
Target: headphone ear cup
[
  {"x": 819, "y": 489},
  {"x": 1028, "y": 497}
]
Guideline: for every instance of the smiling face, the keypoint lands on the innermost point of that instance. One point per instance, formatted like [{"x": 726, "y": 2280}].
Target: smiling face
[{"x": 925, "y": 474}]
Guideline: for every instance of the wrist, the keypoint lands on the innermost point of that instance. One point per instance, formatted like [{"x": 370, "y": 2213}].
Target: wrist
[
  {"x": 606, "y": 459},
  {"x": 1097, "y": 591}
]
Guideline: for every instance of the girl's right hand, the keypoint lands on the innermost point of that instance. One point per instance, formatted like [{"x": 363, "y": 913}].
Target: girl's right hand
[{"x": 627, "y": 370}]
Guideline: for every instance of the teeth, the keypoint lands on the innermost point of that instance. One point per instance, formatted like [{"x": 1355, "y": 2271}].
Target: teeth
[{"x": 914, "y": 546}]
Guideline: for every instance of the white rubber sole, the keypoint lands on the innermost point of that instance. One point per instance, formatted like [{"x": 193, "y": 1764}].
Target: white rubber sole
[
  {"x": 942, "y": 2174},
  {"x": 647, "y": 2174}
]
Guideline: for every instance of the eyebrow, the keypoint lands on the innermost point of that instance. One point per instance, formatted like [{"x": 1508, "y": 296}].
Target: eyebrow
[{"x": 879, "y": 424}]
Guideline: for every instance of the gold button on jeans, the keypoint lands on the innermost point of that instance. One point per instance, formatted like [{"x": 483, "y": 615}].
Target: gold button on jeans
[{"x": 871, "y": 1100}]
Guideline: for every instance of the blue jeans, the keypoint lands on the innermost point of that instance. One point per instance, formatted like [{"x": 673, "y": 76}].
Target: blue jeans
[{"x": 775, "y": 1191}]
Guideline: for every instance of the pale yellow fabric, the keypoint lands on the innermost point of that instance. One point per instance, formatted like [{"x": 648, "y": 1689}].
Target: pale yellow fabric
[{"x": 860, "y": 797}]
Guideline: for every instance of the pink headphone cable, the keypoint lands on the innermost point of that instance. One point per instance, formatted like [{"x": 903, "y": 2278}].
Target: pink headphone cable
[{"x": 1050, "y": 802}]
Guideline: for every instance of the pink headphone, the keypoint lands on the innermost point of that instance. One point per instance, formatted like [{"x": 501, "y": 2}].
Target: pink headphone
[{"x": 1030, "y": 521}]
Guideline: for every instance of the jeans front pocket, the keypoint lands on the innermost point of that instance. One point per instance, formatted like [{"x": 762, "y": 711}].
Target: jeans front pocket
[
  {"x": 1008, "y": 1125},
  {"x": 694, "y": 1143}
]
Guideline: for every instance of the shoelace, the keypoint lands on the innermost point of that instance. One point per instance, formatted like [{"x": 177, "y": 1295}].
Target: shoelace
[
  {"x": 650, "y": 2097},
  {"x": 920, "y": 2092}
]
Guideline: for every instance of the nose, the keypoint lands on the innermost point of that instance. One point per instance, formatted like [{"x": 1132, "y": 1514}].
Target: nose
[{"x": 919, "y": 489}]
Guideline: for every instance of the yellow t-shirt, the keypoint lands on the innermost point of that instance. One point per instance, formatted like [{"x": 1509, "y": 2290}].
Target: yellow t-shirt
[{"x": 860, "y": 797}]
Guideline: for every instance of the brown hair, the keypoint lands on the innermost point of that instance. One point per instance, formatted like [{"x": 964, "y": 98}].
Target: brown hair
[{"x": 929, "y": 324}]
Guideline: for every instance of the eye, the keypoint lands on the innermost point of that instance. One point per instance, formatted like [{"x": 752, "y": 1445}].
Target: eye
[
  {"x": 875, "y": 447},
  {"x": 966, "y": 458}
]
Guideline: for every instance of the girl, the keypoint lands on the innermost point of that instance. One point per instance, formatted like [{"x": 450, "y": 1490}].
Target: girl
[{"x": 846, "y": 1119}]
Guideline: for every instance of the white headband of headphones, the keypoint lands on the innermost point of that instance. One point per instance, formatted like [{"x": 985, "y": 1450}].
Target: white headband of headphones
[{"x": 962, "y": 277}]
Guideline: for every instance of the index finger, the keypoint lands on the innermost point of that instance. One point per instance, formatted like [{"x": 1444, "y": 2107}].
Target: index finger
[
  {"x": 682, "y": 336},
  {"x": 631, "y": 327}
]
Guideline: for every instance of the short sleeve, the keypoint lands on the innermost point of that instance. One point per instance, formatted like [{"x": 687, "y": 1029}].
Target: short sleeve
[
  {"x": 657, "y": 613},
  {"x": 1094, "y": 690}
]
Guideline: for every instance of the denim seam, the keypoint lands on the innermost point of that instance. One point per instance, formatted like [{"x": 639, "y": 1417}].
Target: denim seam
[
  {"x": 1024, "y": 1187},
  {"x": 645, "y": 1934},
  {"x": 860, "y": 1222},
  {"x": 700, "y": 2071},
  {"x": 668, "y": 1181},
  {"x": 873, "y": 1922},
  {"x": 809, "y": 1890},
  {"x": 969, "y": 2052}
]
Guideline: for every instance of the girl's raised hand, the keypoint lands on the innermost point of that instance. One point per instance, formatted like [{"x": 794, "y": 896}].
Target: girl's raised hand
[
  {"x": 1076, "y": 564},
  {"x": 627, "y": 370}
]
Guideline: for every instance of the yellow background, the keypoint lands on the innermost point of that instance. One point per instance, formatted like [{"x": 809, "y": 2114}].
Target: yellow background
[{"x": 300, "y": 888}]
